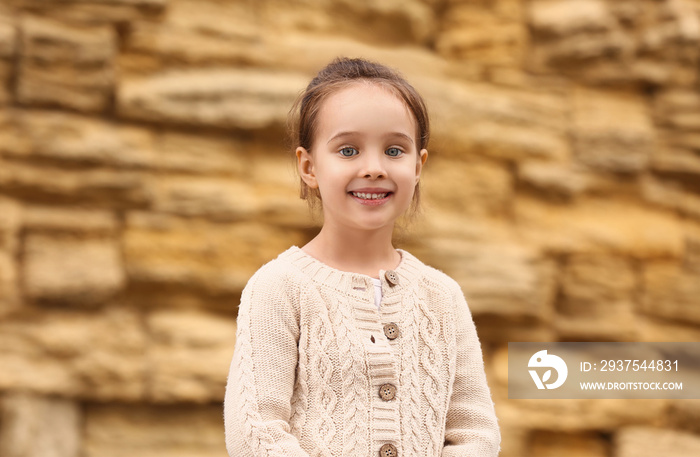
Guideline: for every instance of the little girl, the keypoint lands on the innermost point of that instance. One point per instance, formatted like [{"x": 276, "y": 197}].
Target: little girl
[{"x": 348, "y": 346}]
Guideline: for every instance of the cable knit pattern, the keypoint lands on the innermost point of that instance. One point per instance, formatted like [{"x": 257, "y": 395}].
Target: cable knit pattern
[{"x": 311, "y": 356}]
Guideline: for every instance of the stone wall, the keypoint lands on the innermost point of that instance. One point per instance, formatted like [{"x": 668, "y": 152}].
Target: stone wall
[{"x": 144, "y": 178}]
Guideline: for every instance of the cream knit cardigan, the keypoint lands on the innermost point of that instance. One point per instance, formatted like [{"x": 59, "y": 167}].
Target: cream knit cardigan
[{"x": 311, "y": 355}]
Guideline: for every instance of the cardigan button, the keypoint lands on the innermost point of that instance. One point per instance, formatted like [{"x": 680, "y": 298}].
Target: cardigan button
[
  {"x": 391, "y": 331},
  {"x": 387, "y": 392},
  {"x": 392, "y": 277},
  {"x": 388, "y": 450}
]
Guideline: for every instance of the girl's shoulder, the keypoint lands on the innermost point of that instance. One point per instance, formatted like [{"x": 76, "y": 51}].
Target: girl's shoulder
[
  {"x": 280, "y": 273},
  {"x": 430, "y": 276}
]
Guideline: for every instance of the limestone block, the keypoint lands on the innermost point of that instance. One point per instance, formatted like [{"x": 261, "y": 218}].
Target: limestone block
[
  {"x": 63, "y": 65},
  {"x": 652, "y": 442},
  {"x": 189, "y": 356},
  {"x": 671, "y": 292},
  {"x": 579, "y": 415},
  {"x": 656, "y": 329},
  {"x": 219, "y": 199},
  {"x": 12, "y": 142},
  {"x": 94, "y": 356},
  {"x": 9, "y": 292},
  {"x": 555, "y": 180},
  {"x": 616, "y": 42},
  {"x": 95, "y": 11},
  {"x": 102, "y": 186},
  {"x": 678, "y": 111},
  {"x": 549, "y": 444},
  {"x": 612, "y": 131},
  {"x": 676, "y": 194},
  {"x": 80, "y": 140},
  {"x": 68, "y": 220},
  {"x": 492, "y": 32},
  {"x": 411, "y": 21},
  {"x": 678, "y": 108},
  {"x": 597, "y": 299},
  {"x": 201, "y": 154},
  {"x": 559, "y": 18},
  {"x": 39, "y": 427},
  {"x": 472, "y": 119},
  {"x": 199, "y": 33},
  {"x": 154, "y": 431},
  {"x": 231, "y": 200},
  {"x": 503, "y": 279},
  {"x": 590, "y": 284},
  {"x": 680, "y": 162},
  {"x": 8, "y": 44},
  {"x": 439, "y": 223},
  {"x": 600, "y": 226},
  {"x": 225, "y": 98},
  {"x": 70, "y": 270},
  {"x": 685, "y": 415},
  {"x": 10, "y": 224},
  {"x": 192, "y": 253},
  {"x": 466, "y": 187},
  {"x": 73, "y": 139},
  {"x": 692, "y": 245}
]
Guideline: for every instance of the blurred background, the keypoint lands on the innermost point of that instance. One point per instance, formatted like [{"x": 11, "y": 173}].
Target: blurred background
[{"x": 144, "y": 176}]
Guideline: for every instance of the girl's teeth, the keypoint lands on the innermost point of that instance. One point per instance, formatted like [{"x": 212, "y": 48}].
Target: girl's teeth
[{"x": 369, "y": 196}]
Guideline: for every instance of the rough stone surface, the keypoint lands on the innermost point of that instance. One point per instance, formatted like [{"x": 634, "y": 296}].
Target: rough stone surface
[
  {"x": 598, "y": 226},
  {"x": 189, "y": 355},
  {"x": 95, "y": 11},
  {"x": 144, "y": 177},
  {"x": 240, "y": 99},
  {"x": 597, "y": 299},
  {"x": 71, "y": 271},
  {"x": 548, "y": 444},
  {"x": 501, "y": 279},
  {"x": 671, "y": 292},
  {"x": 35, "y": 426},
  {"x": 650, "y": 442},
  {"x": 487, "y": 191},
  {"x": 616, "y": 42},
  {"x": 73, "y": 354},
  {"x": 65, "y": 65},
  {"x": 217, "y": 258},
  {"x": 52, "y": 183},
  {"x": 151, "y": 431},
  {"x": 612, "y": 131}
]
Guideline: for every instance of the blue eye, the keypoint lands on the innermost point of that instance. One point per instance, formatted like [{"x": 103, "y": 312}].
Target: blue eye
[
  {"x": 394, "y": 152},
  {"x": 348, "y": 152}
]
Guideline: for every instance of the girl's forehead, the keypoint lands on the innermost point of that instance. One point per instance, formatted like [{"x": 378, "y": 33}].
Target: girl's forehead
[{"x": 362, "y": 101}]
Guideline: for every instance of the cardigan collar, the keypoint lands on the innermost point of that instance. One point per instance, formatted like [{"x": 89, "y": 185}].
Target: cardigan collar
[{"x": 408, "y": 272}]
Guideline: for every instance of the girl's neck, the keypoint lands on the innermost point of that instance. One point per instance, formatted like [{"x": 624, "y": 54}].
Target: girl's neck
[{"x": 358, "y": 252}]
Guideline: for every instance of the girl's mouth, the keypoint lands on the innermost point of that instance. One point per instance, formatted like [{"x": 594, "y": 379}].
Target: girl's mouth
[{"x": 371, "y": 199}]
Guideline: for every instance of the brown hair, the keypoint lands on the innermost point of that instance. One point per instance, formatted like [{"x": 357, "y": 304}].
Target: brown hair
[{"x": 335, "y": 76}]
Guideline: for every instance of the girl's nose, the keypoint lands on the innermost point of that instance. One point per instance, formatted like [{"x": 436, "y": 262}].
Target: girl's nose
[{"x": 373, "y": 167}]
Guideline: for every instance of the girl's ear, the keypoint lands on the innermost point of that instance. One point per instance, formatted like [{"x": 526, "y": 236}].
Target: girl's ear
[
  {"x": 305, "y": 165},
  {"x": 422, "y": 157}
]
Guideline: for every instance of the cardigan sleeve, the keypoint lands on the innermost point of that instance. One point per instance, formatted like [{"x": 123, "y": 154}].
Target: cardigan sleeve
[
  {"x": 257, "y": 406},
  {"x": 471, "y": 429}
]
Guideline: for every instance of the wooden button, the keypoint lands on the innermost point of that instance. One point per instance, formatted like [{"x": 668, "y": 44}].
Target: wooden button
[
  {"x": 388, "y": 450},
  {"x": 391, "y": 331},
  {"x": 387, "y": 392},
  {"x": 392, "y": 277}
]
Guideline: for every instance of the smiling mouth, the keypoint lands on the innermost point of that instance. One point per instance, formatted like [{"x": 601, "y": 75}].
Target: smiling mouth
[{"x": 370, "y": 196}]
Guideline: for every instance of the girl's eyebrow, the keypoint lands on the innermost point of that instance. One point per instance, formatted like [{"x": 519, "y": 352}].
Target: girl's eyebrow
[{"x": 388, "y": 135}]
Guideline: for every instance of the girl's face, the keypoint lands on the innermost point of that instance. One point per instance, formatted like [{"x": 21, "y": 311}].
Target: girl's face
[{"x": 364, "y": 159}]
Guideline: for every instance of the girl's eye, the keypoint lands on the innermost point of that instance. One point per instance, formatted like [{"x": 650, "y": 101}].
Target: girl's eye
[
  {"x": 394, "y": 152},
  {"x": 348, "y": 152}
]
